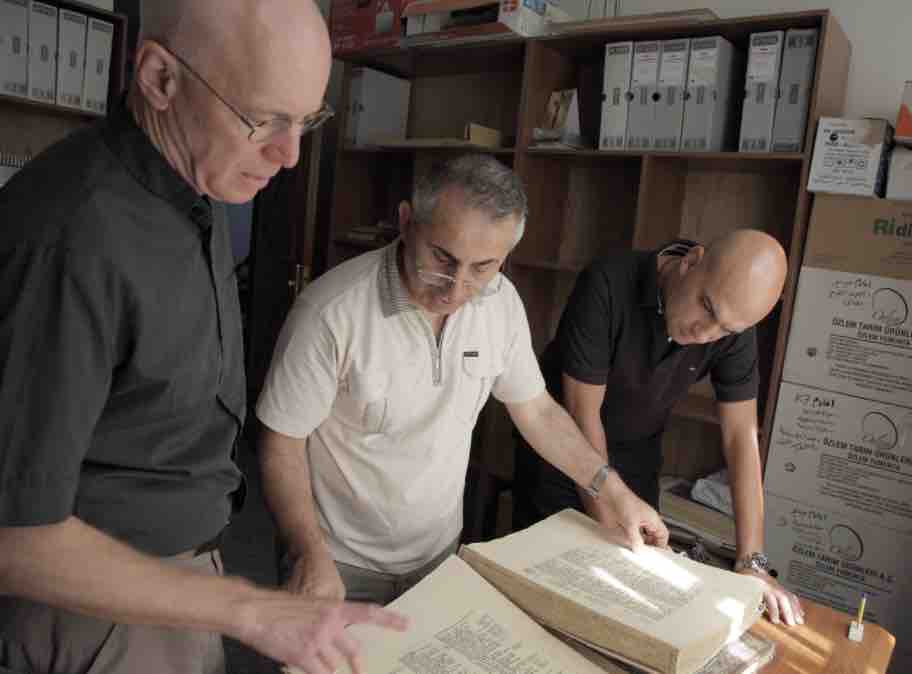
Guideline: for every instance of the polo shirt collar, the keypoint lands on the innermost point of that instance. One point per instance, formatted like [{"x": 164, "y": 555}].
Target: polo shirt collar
[
  {"x": 145, "y": 163},
  {"x": 394, "y": 297}
]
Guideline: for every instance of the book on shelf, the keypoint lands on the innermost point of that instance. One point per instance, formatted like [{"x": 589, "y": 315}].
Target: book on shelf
[
  {"x": 678, "y": 508},
  {"x": 490, "y": 609}
]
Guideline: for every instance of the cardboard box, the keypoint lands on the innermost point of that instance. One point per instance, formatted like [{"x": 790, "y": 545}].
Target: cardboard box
[
  {"x": 99, "y": 39},
  {"x": 904, "y": 118},
  {"x": 14, "y": 48},
  {"x": 42, "y": 68},
  {"x": 833, "y": 560},
  {"x": 71, "y": 46},
  {"x": 378, "y": 107},
  {"x": 358, "y": 25},
  {"x": 851, "y": 156},
  {"x": 444, "y": 19},
  {"x": 851, "y": 332},
  {"x": 899, "y": 178},
  {"x": 843, "y": 454}
]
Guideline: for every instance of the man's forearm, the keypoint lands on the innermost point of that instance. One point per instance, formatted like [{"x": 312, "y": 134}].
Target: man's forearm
[
  {"x": 288, "y": 494},
  {"x": 73, "y": 566},
  {"x": 743, "y": 462}
]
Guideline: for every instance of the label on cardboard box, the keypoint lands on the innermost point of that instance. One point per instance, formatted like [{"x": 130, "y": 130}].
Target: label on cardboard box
[
  {"x": 844, "y": 454},
  {"x": 851, "y": 333},
  {"x": 850, "y": 156},
  {"x": 831, "y": 559}
]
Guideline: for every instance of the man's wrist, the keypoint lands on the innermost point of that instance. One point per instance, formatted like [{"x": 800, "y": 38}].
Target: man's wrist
[
  {"x": 597, "y": 483},
  {"x": 757, "y": 562}
]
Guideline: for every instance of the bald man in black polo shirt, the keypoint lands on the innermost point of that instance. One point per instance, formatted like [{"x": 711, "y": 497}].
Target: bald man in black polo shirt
[{"x": 639, "y": 329}]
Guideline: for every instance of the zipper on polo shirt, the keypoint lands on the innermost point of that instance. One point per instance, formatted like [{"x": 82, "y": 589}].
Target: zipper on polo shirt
[{"x": 436, "y": 348}]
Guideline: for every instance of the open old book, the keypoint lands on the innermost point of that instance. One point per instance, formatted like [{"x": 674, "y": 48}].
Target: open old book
[{"x": 488, "y": 612}]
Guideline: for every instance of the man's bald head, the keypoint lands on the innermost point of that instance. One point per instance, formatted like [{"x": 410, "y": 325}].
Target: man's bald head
[
  {"x": 723, "y": 289},
  {"x": 208, "y": 74},
  {"x": 749, "y": 268}
]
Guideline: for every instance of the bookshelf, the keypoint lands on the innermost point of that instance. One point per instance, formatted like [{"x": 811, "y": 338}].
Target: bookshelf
[
  {"x": 584, "y": 203},
  {"x": 27, "y": 127}
]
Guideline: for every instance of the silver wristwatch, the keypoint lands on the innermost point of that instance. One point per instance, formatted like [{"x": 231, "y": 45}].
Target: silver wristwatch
[
  {"x": 598, "y": 480},
  {"x": 755, "y": 561}
]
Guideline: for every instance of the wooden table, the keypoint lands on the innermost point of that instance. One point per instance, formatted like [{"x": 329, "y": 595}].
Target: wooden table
[{"x": 822, "y": 645}]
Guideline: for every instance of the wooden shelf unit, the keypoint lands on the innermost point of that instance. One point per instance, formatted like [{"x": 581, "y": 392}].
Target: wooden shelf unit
[
  {"x": 584, "y": 203},
  {"x": 27, "y": 127}
]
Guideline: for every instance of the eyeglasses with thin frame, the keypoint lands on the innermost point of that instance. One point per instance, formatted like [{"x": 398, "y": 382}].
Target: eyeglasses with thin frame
[
  {"x": 261, "y": 132},
  {"x": 444, "y": 281}
]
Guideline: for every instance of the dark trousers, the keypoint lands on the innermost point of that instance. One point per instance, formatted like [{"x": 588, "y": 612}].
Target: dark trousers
[
  {"x": 540, "y": 489},
  {"x": 39, "y": 639}
]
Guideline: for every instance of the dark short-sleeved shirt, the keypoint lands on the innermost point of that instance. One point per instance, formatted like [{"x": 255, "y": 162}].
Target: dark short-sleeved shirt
[
  {"x": 611, "y": 333},
  {"x": 121, "y": 363}
]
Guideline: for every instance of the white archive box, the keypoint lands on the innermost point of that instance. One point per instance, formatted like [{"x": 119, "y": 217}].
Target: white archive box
[
  {"x": 71, "y": 45},
  {"x": 377, "y": 107},
  {"x": 764, "y": 62},
  {"x": 834, "y": 559},
  {"x": 42, "y": 52},
  {"x": 14, "y": 47},
  {"x": 669, "y": 106},
  {"x": 99, "y": 40},
  {"x": 709, "y": 100},
  {"x": 851, "y": 156},
  {"x": 615, "y": 95},
  {"x": 799, "y": 58},
  {"x": 843, "y": 453},
  {"x": 644, "y": 85}
]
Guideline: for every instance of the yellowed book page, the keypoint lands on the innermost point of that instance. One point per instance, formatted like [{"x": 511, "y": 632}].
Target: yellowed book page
[
  {"x": 460, "y": 624},
  {"x": 656, "y": 592}
]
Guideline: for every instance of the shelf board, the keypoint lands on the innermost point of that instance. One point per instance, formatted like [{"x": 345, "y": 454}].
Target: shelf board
[
  {"x": 699, "y": 408},
  {"x": 427, "y": 147},
  {"x": 569, "y": 267},
  {"x": 352, "y": 243},
  {"x": 52, "y": 108},
  {"x": 787, "y": 157}
]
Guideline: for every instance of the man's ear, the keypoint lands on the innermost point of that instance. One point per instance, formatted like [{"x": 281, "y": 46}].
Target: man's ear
[
  {"x": 693, "y": 258},
  {"x": 405, "y": 216},
  {"x": 156, "y": 76}
]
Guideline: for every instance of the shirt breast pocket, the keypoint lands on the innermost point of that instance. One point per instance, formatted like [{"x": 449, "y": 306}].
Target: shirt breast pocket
[
  {"x": 364, "y": 400},
  {"x": 477, "y": 375}
]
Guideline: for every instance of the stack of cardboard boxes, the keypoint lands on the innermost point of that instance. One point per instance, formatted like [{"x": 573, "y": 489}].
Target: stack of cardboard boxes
[{"x": 838, "y": 478}]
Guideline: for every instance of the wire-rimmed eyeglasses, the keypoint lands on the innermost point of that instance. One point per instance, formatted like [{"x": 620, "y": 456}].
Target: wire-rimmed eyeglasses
[
  {"x": 445, "y": 282},
  {"x": 261, "y": 132}
]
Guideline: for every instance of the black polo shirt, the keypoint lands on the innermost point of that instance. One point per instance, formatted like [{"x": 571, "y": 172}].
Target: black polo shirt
[
  {"x": 611, "y": 333},
  {"x": 121, "y": 364}
]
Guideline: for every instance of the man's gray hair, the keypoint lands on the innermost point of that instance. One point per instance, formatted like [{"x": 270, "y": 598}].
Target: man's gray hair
[{"x": 486, "y": 184}]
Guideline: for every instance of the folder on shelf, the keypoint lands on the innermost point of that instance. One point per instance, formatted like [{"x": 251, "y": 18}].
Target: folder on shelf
[
  {"x": 99, "y": 39},
  {"x": 799, "y": 58},
  {"x": 13, "y": 47},
  {"x": 71, "y": 44},
  {"x": 42, "y": 52},
  {"x": 709, "y": 101},
  {"x": 616, "y": 95},
  {"x": 669, "y": 108},
  {"x": 762, "y": 81},
  {"x": 644, "y": 86},
  {"x": 377, "y": 107}
]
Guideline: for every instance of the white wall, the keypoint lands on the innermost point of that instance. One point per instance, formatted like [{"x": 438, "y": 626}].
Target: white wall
[{"x": 880, "y": 32}]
